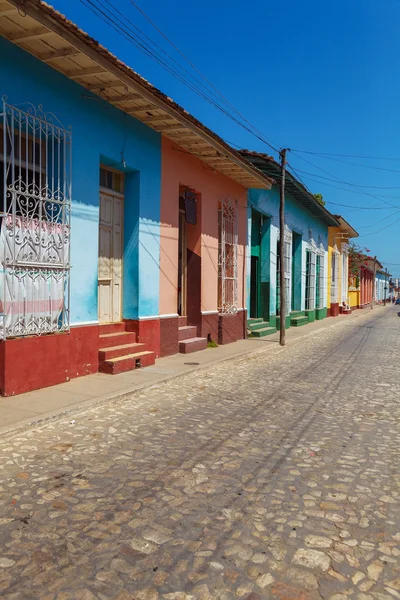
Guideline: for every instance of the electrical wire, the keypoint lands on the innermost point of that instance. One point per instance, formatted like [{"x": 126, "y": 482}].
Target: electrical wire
[
  {"x": 271, "y": 144},
  {"x": 346, "y": 155},
  {"x": 345, "y": 182},
  {"x": 123, "y": 29}
]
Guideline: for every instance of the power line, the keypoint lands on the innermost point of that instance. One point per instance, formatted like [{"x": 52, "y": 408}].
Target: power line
[
  {"x": 272, "y": 143},
  {"x": 346, "y": 155},
  {"x": 123, "y": 29},
  {"x": 382, "y": 229},
  {"x": 347, "y": 162},
  {"x": 380, "y": 221},
  {"x": 344, "y": 182}
]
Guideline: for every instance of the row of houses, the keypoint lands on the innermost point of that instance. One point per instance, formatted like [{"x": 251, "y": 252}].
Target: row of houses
[{"x": 130, "y": 231}]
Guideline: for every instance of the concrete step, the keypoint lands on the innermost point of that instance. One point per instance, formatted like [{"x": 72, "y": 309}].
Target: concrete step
[
  {"x": 118, "y": 351},
  {"x": 182, "y": 321},
  {"x": 298, "y": 321},
  {"x": 297, "y": 313},
  {"x": 111, "y": 328},
  {"x": 263, "y": 332},
  {"x": 113, "y": 366},
  {"x": 258, "y": 325},
  {"x": 187, "y": 332},
  {"x": 192, "y": 345},
  {"x": 106, "y": 340},
  {"x": 253, "y": 320}
]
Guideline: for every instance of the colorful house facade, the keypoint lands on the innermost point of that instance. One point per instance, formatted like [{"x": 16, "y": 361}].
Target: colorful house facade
[
  {"x": 124, "y": 220},
  {"x": 306, "y": 250},
  {"x": 338, "y": 300}
]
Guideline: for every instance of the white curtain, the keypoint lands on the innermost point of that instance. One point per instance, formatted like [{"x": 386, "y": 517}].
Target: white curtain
[{"x": 33, "y": 254}]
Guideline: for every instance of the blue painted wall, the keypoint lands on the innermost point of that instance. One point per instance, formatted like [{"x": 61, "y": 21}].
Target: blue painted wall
[
  {"x": 100, "y": 133},
  {"x": 298, "y": 219}
]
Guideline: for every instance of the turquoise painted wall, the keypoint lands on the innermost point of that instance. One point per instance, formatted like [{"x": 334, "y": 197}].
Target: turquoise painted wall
[
  {"x": 100, "y": 133},
  {"x": 299, "y": 220}
]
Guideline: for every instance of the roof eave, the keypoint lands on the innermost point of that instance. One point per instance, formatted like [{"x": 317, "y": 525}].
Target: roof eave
[{"x": 54, "y": 21}]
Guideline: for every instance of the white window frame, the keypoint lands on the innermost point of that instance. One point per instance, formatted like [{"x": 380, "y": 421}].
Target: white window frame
[
  {"x": 310, "y": 290},
  {"x": 35, "y": 234},
  {"x": 287, "y": 257},
  {"x": 228, "y": 293},
  {"x": 345, "y": 273},
  {"x": 335, "y": 275},
  {"x": 321, "y": 254}
]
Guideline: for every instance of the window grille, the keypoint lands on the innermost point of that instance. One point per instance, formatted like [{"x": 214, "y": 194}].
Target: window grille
[
  {"x": 35, "y": 152},
  {"x": 335, "y": 276},
  {"x": 228, "y": 258},
  {"x": 311, "y": 260},
  {"x": 288, "y": 272}
]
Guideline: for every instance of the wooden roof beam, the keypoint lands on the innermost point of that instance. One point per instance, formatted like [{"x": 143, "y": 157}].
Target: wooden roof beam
[
  {"x": 4, "y": 10},
  {"x": 131, "y": 80},
  {"x": 31, "y": 34},
  {"x": 85, "y": 71},
  {"x": 54, "y": 54}
]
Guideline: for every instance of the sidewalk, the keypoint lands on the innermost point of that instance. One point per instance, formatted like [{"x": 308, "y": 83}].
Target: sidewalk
[{"x": 23, "y": 411}]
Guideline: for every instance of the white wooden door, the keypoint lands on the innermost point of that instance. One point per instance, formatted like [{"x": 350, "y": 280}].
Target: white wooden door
[{"x": 110, "y": 257}]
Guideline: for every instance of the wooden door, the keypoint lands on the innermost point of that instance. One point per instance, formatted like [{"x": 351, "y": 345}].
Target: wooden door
[{"x": 110, "y": 257}]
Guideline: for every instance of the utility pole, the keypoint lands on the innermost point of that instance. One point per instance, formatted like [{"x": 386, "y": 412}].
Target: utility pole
[
  {"x": 282, "y": 287},
  {"x": 384, "y": 296},
  {"x": 373, "y": 285}
]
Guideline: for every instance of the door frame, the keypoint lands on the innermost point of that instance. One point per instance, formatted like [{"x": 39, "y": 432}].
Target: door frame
[
  {"x": 120, "y": 196},
  {"x": 182, "y": 242}
]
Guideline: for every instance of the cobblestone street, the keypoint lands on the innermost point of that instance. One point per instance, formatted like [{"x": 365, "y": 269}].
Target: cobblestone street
[{"x": 274, "y": 476}]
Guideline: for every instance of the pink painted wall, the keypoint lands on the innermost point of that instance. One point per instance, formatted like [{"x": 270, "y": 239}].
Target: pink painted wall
[{"x": 179, "y": 168}]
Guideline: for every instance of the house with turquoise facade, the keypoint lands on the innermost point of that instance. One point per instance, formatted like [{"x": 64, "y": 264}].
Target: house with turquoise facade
[{"x": 305, "y": 256}]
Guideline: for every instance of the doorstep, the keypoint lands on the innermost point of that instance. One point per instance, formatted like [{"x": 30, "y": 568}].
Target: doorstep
[{"x": 21, "y": 412}]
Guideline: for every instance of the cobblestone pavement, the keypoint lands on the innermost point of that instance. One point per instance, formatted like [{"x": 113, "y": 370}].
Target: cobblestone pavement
[{"x": 274, "y": 476}]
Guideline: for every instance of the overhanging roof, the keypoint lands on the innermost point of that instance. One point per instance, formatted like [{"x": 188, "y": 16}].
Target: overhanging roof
[
  {"x": 271, "y": 168},
  {"x": 47, "y": 34},
  {"x": 346, "y": 227}
]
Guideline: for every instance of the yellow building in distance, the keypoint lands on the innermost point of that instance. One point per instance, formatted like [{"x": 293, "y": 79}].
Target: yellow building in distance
[{"x": 338, "y": 267}]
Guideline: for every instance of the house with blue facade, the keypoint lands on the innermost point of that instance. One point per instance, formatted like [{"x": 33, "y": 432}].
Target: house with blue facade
[
  {"x": 382, "y": 285},
  {"x": 110, "y": 193},
  {"x": 305, "y": 257}
]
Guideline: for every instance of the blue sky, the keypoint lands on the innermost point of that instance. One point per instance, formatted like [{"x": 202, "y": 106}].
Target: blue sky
[{"x": 313, "y": 76}]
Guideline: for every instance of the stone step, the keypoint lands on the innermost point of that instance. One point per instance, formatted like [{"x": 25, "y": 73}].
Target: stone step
[
  {"x": 253, "y": 320},
  {"x": 113, "y": 366},
  {"x": 105, "y": 328},
  {"x": 117, "y": 351},
  {"x": 182, "y": 321},
  {"x": 106, "y": 340},
  {"x": 297, "y": 313},
  {"x": 187, "y": 332},
  {"x": 263, "y": 332},
  {"x": 192, "y": 345},
  {"x": 298, "y": 321},
  {"x": 258, "y": 325}
]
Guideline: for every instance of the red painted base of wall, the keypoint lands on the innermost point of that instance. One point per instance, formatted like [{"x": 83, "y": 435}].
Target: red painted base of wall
[
  {"x": 169, "y": 338},
  {"x": 32, "y": 363},
  {"x": 147, "y": 332},
  {"x": 232, "y": 327},
  {"x": 208, "y": 327},
  {"x": 334, "y": 309}
]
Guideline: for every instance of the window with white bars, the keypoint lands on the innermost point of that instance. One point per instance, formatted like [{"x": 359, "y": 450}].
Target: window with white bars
[
  {"x": 335, "y": 277},
  {"x": 35, "y": 161},
  {"x": 288, "y": 272},
  {"x": 320, "y": 280},
  {"x": 228, "y": 258},
  {"x": 311, "y": 260},
  {"x": 345, "y": 273}
]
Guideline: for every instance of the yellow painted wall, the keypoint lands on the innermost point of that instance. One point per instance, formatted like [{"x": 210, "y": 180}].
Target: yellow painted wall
[{"x": 334, "y": 237}]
